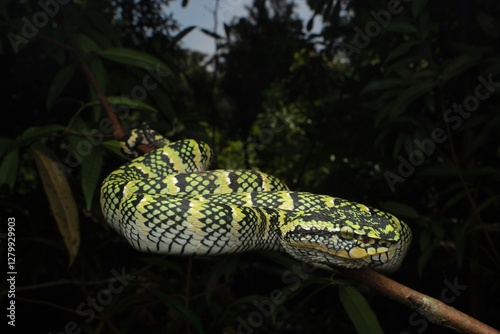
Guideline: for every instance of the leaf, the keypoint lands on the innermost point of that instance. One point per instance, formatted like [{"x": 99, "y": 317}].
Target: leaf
[
  {"x": 487, "y": 24},
  {"x": 99, "y": 72},
  {"x": 402, "y": 27},
  {"x": 5, "y": 144},
  {"x": 211, "y": 33},
  {"x": 180, "y": 308},
  {"x": 162, "y": 100},
  {"x": 400, "y": 209},
  {"x": 125, "y": 101},
  {"x": 400, "y": 50},
  {"x": 136, "y": 59},
  {"x": 458, "y": 65},
  {"x": 359, "y": 311},
  {"x": 113, "y": 146},
  {"x": 91, "y": 168},
  {"x": 181, "y": 35},
  {"x": 9, "y": 168},
  {"x": 87, "y": 44},
  {"x": 39, "y": 131},
  {"x": 382, "y": 85},
  {"x": 409, "y": 95},
  {"x": 62, "y": 203},
  {"x": 59, "y": 83}
]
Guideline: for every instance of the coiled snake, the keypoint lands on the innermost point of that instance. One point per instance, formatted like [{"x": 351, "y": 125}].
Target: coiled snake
[{"x": 166, "y": 201}]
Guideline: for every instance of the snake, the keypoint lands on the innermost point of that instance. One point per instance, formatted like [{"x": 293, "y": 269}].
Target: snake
[{"x": 168, "y": 201}]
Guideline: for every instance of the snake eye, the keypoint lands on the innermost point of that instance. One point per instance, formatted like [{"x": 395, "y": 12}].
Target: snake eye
[{"x": 346, "y": 232}]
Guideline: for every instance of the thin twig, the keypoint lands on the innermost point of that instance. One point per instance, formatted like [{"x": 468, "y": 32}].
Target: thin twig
[
  {"x": 432, "y": 309},
  {"x": 118, "y": 132}
]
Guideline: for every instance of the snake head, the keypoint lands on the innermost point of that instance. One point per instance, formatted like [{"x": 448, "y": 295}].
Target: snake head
[{"x": 348, "y": 235}]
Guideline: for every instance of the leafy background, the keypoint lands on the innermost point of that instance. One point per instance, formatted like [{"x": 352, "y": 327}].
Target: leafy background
[{"x": 329, "y": 111}]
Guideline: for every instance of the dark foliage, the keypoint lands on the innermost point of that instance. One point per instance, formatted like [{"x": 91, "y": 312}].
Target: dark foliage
[{"x": 392, "y": 105}]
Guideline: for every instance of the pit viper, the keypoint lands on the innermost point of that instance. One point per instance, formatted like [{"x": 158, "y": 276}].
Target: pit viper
[{"x": 169, "y": 202}]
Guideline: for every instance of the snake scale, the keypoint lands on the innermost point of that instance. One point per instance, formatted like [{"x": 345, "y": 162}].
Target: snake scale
[{"x": 168, "y": 202}]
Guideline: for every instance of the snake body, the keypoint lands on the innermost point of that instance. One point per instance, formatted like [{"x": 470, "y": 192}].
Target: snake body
[{"x": 167, "y": 201}]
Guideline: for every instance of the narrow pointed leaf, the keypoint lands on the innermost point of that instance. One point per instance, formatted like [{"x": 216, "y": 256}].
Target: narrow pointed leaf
[
  {"x": 8, "y": 168},
  {"x": 125, "y": 101},
  {"x": 359, "y": 311},
  {"x": 137, "y": 59},
  {"x": 34, "y": 133},
  {"x": 59, "y": 83},
  {"x": 62, "y": 203},
  {"x": 91, "y": 168}
]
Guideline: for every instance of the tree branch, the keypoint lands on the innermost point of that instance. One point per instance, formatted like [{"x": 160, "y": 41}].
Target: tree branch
[
  {"x": 432, "y": 309},
  {"x": 118, "y": 132}
]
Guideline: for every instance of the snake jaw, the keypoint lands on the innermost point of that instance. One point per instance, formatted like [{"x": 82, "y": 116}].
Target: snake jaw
[{"x": 369, "y": 238}]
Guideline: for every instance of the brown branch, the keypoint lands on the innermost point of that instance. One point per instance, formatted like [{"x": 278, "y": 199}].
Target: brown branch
[
  {"x": 432, "y": 309},
  {"x": 118, "y": 133}
]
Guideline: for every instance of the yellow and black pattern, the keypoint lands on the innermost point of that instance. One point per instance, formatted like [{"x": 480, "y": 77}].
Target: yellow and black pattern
[{"x": 168, "y": 202}]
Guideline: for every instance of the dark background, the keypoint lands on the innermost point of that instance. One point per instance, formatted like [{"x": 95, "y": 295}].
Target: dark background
[{"x": 359, "y": 110}]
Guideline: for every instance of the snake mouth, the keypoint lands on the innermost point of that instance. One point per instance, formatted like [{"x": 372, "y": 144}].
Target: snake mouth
[{"x": 349, "y": 250}]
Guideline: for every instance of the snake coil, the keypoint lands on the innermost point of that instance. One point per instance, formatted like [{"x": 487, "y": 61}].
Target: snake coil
[{"x": 167, "y": 201}]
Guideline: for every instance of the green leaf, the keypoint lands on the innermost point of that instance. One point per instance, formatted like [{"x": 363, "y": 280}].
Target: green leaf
[
  {"x": 113, "y": 146},
  {"x": 409, "y": 95},
  {"x": 9, "y": 168},
  {"x": 125, "y": 101},
  {"x": 91, "y": 168},
  {"x": 87, "y": 44},
  {"x": 400, "y": 50},
  {"x": 487, "y": 24},
  {"x": 400, "y": 209},
  {"x": 162, "y": 100},
  {"x": 382, "y": 85},
  {"x": 180, "y": 308},
  {"x": 97, "y": 68},
  {"x": 359, "y": 311},
  {"x": 136, "y": 59},
  {"x": 59, "y": 83},
  {"x": 61, "y": 200},
  {"x": 5, "y": 144},
  {"x": 402, "y": 27},
  {"x": 39, "y": 131},
  {"x": 458, "y": 65}
]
